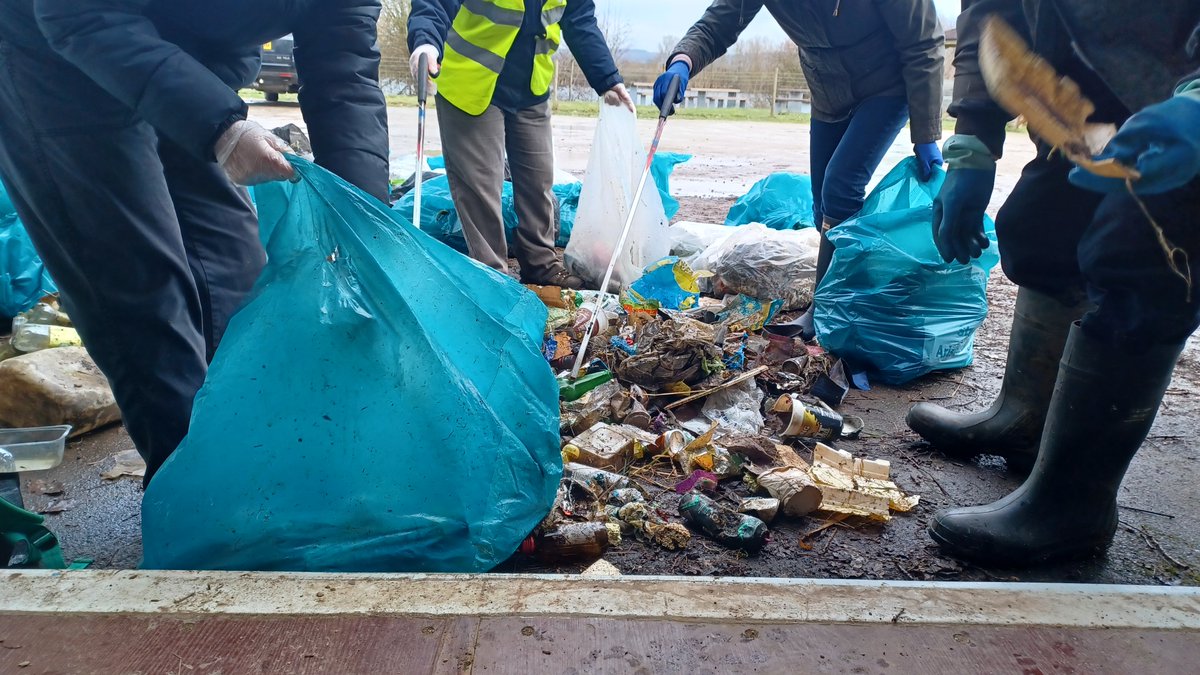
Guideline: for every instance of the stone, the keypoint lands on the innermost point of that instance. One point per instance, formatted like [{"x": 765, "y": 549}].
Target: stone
[{"x": 56, "y": 386}]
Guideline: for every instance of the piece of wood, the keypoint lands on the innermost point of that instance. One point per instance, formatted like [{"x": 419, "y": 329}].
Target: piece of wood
[
  {"x": 1053, "y": 106},
  {"x": 736, "y": 380},
  {"x": 795, "y": 490}
]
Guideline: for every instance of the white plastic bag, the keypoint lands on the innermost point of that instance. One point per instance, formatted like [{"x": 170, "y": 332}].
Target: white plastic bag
[
  {"x": 613, "y": 172},
  {"x": 764, "y": 263},
  {"x": 690, "y": 239}
]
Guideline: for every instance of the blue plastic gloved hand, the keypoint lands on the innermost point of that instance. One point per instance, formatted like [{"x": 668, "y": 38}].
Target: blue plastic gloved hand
[
  {"x": 1162, "y": 142},
  {"x": 958, "y": 214},
  {"x": 660, "y": 85},
  {"x": 927, "y": 154}
]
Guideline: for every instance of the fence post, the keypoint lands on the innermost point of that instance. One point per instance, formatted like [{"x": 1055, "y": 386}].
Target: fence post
[{"x": 775, "y": 92}]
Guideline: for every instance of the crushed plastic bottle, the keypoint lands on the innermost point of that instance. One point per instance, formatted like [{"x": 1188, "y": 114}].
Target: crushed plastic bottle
[
  {"x": 734, "y": 530},
  {"x": 31, "y": 337},
  {"x": 568, "y": 542}
]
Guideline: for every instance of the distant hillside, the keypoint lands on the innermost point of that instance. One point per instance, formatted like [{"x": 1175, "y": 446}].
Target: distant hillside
[{"x": 640, "y": 56}]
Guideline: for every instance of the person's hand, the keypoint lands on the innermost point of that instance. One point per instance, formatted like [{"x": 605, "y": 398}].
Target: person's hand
[
  {"x": 958, "y": 214},
  {"x": 927, "y": 154},
  {"x": 1162, "y": 142},
  {"x": 664, "y": 81},
  {"x": 414, "y": 61},
  {"x": 618, "y": 95},
  {"x": 250, "y": 154}
]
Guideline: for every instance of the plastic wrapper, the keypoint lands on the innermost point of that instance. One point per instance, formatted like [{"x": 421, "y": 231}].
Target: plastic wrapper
[
  {"x": 364, "y": 345},
  {"x": 668, "y": 283},
  {"x": 737, "y": 409},
  {"x": 889, "y": 304}
]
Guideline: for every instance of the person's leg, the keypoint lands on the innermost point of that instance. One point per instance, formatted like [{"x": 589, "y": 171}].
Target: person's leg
[
  {"x": 823, "y": 141},
  {"x": 1115, "y": 368},
  {"x": 87, "y": 182},
  {"x": 220, "y": 235},
  {"x": 474, "y": 152},
  {"x": 528, "y": 138},
  {"x": 873, "y": 128},
  {"x": 1038, "y": 228}
]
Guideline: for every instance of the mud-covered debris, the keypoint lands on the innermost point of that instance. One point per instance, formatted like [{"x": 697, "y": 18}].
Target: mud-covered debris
[{"x": 125, "y": 463}]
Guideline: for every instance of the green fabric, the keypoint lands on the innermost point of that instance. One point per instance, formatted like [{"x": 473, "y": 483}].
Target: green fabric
[{"x": 967, "y": 152}]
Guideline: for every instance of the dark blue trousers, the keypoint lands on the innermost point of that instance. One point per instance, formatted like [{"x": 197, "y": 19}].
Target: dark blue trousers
[
  {"x": 152, "y": 249},
  {"x": 844, "y": 154}
]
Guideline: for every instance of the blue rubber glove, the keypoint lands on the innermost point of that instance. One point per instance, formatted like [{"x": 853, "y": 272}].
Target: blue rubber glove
[
  {"x": 660, "y": 85},
  {"x": 1162, "y": 142},
  {"x": 959, "y": 208},
  {"x": 927, "y": 154}
]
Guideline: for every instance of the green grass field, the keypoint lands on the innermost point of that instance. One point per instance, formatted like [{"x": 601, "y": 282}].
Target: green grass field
[{"x": 591, "y": 109}]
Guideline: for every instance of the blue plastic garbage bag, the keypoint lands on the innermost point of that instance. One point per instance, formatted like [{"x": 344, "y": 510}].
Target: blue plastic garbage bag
[
  {"x": 781, "y": 201},
  {"x": 23, "y": 277},
  {"x": 568, "y": 204},
  {"x": 379, "y": 403},
  {"x": 889, "y": 304},
  {"x": 661, "y": 167}
]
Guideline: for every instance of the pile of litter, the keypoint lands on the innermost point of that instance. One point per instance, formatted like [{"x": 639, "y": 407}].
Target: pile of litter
[{"x": 687, "y": 395}]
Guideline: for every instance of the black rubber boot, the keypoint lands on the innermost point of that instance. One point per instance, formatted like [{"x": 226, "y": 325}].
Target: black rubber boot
[
  {"x": 802, "y": 326},
  {"x": 1103, "y": 406},
  {"x": 1012, "y": 426}
]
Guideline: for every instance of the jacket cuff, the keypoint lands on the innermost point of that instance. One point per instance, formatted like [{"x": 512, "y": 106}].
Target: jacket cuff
[
  {"x": 990, "y": 130},
  {"x": 210, "y": 150},
  {"x": 930, "y": 132},
  {"x": 692, "y": 60},
  {"x": 608, "y": 83}
]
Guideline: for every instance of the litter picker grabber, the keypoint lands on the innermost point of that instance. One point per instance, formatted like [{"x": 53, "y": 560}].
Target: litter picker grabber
[
  {"x": 668, "y": 107},
  {"x": 422, "y": 95}
]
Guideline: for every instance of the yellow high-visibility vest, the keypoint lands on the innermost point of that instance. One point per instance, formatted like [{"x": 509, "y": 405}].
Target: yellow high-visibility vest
[{"x": 480, "y": 37}]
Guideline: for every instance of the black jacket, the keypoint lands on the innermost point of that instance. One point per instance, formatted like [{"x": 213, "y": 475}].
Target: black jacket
[
  {"x": 430, "y": 22},
  {"x": 1125, "y": 54},
  {"x": 850, "y": 50},
  {"x": 178, "y": 63}
]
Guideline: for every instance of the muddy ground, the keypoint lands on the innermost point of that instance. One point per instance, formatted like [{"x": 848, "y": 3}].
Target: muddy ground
[{"x": 1157, "y": 543}]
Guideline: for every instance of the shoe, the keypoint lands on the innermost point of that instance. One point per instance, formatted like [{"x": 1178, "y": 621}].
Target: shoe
[
  {"x": 561, "y": 278},
  {"x": 1103, "y": 405},
  {"x": 802, "y": 326},
  {"x": 1012, "y": 426}
]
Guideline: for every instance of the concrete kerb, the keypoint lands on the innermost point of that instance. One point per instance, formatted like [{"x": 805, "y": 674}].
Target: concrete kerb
[{"x": 695, "y": 599}]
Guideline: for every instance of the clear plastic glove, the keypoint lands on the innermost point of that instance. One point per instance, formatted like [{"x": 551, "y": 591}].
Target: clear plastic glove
[
  {"x": 1162, "y": 142},
  {"x": 414, "y": 61},
  {"x": 251, "y": 155},
  {"x": 927, "y": 154},
  {"x": 619, "y": 95}
]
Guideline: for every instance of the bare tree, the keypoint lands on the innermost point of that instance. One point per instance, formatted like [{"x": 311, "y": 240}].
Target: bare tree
[{"x": 393, "y": 45}]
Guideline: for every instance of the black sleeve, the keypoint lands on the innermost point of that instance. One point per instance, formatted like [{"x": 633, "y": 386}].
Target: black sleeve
[
  {"x": 429, "y": 22},
  {"x": 337, "y": 61},
  {"x": 116, "y": 45},
  {"x": 587, "y": 44},
  {"x": 716, "y": 31},
  {"x": 973, "y": 108}
]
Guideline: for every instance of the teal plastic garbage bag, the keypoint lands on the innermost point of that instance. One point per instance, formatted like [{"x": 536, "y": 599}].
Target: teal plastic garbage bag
[
  {"x": 23, "y": 277},
  {"x": 661, "y": 167},
  {"x": 889, "y": 304},
  {"x": 781, "y": 201},
  {"x": 379, "y": 403}
]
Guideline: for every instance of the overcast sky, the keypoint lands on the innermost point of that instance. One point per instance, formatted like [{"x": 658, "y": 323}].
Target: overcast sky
[{"x": 650, "y": 20}]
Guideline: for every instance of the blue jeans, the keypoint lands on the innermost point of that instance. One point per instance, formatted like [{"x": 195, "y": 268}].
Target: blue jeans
[{"x": 845, "y": 154}]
